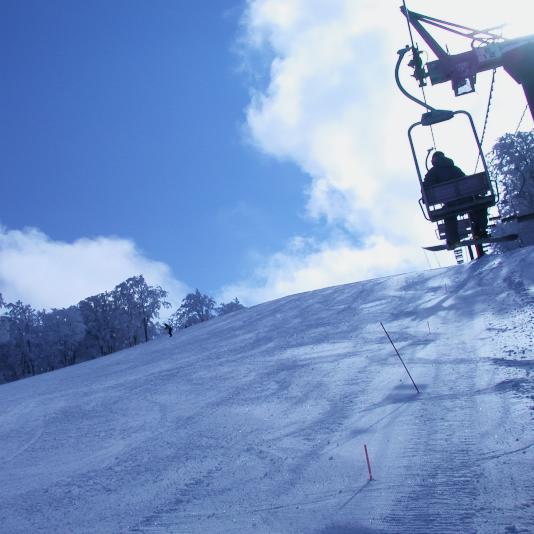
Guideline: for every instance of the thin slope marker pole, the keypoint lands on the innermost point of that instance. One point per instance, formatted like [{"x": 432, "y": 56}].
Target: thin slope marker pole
[
  {"x": 368, "y": 462},
  {"x": 393, "y": 344}
]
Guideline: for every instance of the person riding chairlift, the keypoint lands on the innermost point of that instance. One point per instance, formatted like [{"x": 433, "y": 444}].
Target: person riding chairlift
[{"x": 443, "y": 169}]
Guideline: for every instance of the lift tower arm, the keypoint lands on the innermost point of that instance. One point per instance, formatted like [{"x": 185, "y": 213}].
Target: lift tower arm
[{"x": 516, "y": 56}]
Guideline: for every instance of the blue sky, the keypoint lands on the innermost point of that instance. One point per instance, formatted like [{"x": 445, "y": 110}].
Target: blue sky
[
  {"x": 125, "y": 118},
  {"x": 249, "y": 149}
]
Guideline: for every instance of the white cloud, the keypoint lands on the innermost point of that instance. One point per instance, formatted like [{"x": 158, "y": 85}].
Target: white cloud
[
  {"x": 46, "y": 273},
  {"x": 325, "y": 102},
  {"x": 332, "y": 107}
]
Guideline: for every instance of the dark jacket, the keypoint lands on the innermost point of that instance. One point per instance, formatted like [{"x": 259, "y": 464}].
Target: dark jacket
[{"x": 442, "y": 170}]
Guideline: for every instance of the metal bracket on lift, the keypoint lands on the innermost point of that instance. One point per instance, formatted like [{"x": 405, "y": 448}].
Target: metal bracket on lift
[{"x": 516, "y": 56}]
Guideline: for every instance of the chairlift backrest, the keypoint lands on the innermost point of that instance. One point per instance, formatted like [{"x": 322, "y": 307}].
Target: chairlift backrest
[
  {"x": 456, "y": 189},
  {"x": 457, "y": 196}
]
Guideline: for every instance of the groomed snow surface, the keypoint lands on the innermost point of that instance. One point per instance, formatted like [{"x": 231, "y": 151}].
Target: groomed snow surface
[{"x": 256, "y": 422}]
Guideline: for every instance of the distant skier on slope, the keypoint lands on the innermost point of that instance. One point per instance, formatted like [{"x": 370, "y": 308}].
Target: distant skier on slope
[
  {"x": 442, "y": 170},
  {"x": 168, "y": 328}
]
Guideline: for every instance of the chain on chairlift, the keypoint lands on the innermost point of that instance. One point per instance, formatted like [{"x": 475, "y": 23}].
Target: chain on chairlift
[
  {"x": 488, "y": 108},
  {"x": 521, "y": 119}
]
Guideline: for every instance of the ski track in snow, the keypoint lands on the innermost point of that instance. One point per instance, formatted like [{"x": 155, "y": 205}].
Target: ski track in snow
[{"x": 255, "y": 422}]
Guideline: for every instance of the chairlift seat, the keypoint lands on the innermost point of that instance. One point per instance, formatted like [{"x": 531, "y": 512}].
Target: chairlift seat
[{"x": 458, "y": 195}]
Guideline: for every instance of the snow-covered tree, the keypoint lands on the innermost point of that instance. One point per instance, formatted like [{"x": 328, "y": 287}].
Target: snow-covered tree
[
  {"x": 141, "y": 304},
  {"x": 4, "y": 329},
  {"x": 229, "y": 307},
  {"x": 63, "y": 329},
  {"x": 7, "y": 370},
  {"x": 195, "y": 308},
  {"x": 512, "y": 163},
  {"x": 24, "y": 337},
  {"x": 102, "y": 321}
]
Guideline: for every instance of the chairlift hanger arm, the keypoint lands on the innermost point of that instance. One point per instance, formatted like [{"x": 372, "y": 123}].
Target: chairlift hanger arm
[{"x": 402, "y": 52}]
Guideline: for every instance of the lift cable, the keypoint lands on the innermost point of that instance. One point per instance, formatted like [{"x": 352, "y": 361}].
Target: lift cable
[
  {"x": 487, "y": 115},
  {"x": 408, "y": 22},
  {"x": 413, "y": 51}
]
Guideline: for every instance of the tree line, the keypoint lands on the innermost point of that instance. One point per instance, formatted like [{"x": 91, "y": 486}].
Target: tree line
[{"x": 33, "y": 341}]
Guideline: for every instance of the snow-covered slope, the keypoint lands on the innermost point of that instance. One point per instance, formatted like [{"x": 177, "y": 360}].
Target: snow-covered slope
[{"x": 256, "y": 421}]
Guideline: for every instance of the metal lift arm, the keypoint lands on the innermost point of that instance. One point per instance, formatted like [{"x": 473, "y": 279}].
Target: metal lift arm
[{"x": 516, "y": 56}]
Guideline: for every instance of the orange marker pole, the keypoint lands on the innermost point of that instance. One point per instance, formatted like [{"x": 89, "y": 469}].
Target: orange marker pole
[{"x": 368, "y": 462}]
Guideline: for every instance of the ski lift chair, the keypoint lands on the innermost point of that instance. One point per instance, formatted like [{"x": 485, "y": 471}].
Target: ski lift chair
[{"x": 459, "y": 195}]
